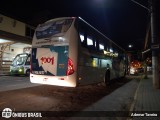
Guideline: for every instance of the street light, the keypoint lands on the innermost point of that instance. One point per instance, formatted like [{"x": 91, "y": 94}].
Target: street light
[{"x": 130, "y": 46}]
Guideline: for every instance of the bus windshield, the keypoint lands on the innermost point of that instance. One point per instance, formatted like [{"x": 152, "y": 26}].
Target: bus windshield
[
  {"x": 19, "y": 59},
  {"x": 50, "y": 29}
]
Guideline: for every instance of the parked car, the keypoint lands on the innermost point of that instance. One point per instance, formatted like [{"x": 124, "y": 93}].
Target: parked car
[
  {"x": 136, "y": 71},
  {"x": 133, "y": 71}
]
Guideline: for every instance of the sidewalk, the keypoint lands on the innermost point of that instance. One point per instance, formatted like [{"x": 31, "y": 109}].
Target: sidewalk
[
  {"x": 112, "y": 106},
  {"x": 146, "y": 99}
]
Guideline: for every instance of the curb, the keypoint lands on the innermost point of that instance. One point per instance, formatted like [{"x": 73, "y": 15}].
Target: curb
[{"x": 134, "y": 100}]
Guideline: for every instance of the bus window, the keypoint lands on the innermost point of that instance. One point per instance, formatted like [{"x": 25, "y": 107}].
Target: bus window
[
  {"x": 105, "y": 62},
  {"x": 91, "y": 44},
  {"x": 19, "y": 59},
  {"x": 20, "y": 65},
  {"x": 95, "y": 62},
  {"x": 82, "y": 37},
  {"x": 53, "y": 28},
  {"x": 101, "y": 47},
  {"x": 89, "y": 41}
]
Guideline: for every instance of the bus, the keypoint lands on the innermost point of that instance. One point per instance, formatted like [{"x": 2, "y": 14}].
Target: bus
[
  {"x": 20, "y": 65},
  {"x": 70, "y": 52}
]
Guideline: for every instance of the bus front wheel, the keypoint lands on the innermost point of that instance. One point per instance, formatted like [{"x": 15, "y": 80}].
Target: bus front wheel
[
  {"x": 27, "y": 72},
  {"x": 107, "y": 78}
]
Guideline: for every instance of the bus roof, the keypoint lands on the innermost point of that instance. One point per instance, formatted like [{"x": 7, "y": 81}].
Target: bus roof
[{"x": 61, "y": 18}]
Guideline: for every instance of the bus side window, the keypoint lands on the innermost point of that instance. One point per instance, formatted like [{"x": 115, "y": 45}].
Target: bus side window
[
  {"x": 82, "y": 36},
  {"x": 101, "y": 45},
  {"x": 91, "y": 42}
]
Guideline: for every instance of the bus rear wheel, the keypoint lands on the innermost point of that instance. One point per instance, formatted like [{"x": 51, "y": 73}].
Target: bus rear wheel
[{"x": 107, "y": 78}]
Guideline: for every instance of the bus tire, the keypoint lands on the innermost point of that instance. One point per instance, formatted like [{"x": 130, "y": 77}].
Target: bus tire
[
  {"x": 107, "y": 78},
  {"x": 27, "y": 72}
]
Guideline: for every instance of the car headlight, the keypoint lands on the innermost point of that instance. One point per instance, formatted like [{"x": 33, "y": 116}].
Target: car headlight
[{"x": 20, "y": 69}]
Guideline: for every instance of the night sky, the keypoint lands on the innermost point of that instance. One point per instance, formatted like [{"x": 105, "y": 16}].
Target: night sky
[{"x": 121, "y": 20}]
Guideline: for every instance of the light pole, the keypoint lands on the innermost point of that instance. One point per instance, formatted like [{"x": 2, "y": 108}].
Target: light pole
[{"x": 155, "y": 44}]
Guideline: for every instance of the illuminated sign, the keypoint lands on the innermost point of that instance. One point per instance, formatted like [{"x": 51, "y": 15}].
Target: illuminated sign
[{"x": 110, "y": 53}]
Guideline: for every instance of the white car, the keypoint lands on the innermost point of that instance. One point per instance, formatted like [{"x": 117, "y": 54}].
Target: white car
[{"x": 133, "y": 71}]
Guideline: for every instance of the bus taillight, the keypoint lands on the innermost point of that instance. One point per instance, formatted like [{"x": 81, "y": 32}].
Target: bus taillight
[{"x": 70, "y": 69}]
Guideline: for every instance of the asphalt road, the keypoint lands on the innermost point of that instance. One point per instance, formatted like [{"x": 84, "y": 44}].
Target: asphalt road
[
  {"x": 14, "y": 82},
  {"x": 19, "y": 94}
]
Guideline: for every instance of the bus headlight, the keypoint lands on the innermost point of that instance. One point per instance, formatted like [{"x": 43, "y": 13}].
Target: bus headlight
[{"x": 20, "y": 70}]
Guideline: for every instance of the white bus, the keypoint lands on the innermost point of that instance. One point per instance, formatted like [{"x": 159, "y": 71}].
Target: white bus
[
  {"x": 70, "y": 52},
  {"x": 20, "y": 65}
]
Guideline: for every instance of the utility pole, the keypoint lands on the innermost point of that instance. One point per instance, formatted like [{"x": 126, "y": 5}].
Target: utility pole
[{"x": 154, "y": 45}]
